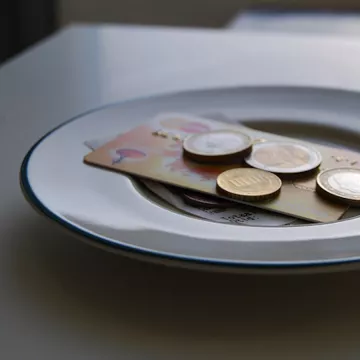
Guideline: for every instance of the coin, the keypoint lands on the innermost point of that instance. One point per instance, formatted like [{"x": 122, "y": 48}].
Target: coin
[
  {"x": 249, "y": 184},
  {"x": 284, "y": 157},
  {"x": 197, "y": 199},
  {"x": 340, "y": 184},
  {"x": 217, "y": 146}
]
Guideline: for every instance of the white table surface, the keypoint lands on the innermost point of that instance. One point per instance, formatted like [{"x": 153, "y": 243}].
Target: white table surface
[{"x": 62, "y": 299}]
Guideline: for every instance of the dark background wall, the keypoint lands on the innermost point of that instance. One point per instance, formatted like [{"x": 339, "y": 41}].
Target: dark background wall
[{"x": 23, "y": 23}]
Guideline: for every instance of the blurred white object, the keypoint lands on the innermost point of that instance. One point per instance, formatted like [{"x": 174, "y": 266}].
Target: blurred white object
[{"x": 327, "y": 23}]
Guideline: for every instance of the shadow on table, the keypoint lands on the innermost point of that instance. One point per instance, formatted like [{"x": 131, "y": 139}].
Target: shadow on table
[{"x": 108, "y": 297}]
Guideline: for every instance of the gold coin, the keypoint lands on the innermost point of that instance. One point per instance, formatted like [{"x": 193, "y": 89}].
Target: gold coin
[
  {"x": 284, "y": 157},
  {"x": 249, "y": 184},
  {"x": 340, "y": 184},
  {"x": 217, "y": 146}
]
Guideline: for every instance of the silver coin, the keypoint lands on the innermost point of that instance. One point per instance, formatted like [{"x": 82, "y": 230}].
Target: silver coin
[
  {"x": 217, "y": 145},
  {"x": 340, "y": 184},
  {"x": 284, "y": 157}
]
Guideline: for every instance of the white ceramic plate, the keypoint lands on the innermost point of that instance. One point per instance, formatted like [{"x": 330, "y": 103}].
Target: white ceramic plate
[{"x": 112, "y": 211}]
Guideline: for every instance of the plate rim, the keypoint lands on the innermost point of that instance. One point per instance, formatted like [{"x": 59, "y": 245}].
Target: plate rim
[{"x": 155, "y": 255}]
